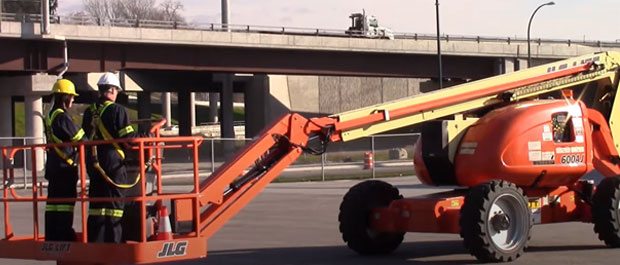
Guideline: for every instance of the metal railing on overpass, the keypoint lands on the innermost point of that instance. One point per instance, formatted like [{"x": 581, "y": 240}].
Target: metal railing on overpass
[{"x": 169, "y": 24}]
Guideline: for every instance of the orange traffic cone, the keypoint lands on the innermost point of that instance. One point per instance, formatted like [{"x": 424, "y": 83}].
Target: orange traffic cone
[
  {"x": 164, "y": 230},
  {"x": 369, "y": 161}
]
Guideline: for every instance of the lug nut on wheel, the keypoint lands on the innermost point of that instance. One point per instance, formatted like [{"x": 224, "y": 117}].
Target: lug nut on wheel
[{"x": 500, "y": 222}]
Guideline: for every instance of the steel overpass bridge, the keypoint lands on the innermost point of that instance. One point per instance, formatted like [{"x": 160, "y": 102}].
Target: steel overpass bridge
[{"x": 184, "y": 59}]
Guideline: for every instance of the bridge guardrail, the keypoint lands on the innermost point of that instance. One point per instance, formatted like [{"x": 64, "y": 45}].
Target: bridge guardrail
[{"x": 170, "y": 24}]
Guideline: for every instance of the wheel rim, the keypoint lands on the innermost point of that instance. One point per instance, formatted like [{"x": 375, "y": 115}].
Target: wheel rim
[
  {"x": 371, "y": 233},
  {"x": 507, "y": 222},
  {"x": 618, "y": 211}
]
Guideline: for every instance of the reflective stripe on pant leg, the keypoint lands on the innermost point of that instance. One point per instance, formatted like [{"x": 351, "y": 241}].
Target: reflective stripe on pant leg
[
  {"x": 106, "y": 212},
  {"x": 59, "y": 208}
]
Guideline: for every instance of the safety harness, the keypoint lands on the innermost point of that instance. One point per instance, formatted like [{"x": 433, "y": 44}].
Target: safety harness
[
  {"x": 67, "y": 208},
  {"x": 97, "y": 125},
  {"x": 54, "y": 139}
]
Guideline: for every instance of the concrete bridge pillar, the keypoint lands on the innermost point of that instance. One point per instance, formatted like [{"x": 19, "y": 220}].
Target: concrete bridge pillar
[
  {"x": 505, "y": 65},
  {"x": 192, "y": 109},
  {"x": 185, "y": 127},
  {"x": 214, "y": 98},
  {"x": 256, "y": 105},
  {"x": 6, "y": 116},
  {"x": 165, "y": 108},
  {"x": 32, "y": 88},
  {"x": 182, "y": 82},
  {"x": 33, "y": 106},
  {"x": 521, "y": 64},
  {"x": 144, "y": 110},
  {"x": 187, "y": 112},
  {"x": 226, "y": 104}
]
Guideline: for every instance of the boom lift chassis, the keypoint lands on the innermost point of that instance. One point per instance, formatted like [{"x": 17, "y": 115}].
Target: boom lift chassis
[{"x": 373, "y": 215}]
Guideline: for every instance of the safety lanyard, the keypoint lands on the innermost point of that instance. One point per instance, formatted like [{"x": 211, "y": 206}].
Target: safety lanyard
[{"x": 98, "y": 126}]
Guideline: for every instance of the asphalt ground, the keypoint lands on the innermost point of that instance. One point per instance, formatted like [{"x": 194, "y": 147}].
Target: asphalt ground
[{"x": 296, "y": 223}]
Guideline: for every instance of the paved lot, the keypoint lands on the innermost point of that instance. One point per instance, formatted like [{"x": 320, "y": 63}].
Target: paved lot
[{"x": 296, "y": 223}]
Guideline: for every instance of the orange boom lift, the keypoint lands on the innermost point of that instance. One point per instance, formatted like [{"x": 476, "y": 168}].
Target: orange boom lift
[{"x": 517, "y": 146}]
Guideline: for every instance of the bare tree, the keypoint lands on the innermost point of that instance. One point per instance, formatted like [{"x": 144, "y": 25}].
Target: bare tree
[
  {"x": 137, "y": 9},
  {"x": 117, "y": 10},
  {"x": 98, "y": 9},
  {"x": 170, "y": 10},
  {"x": 132, "y": 11}
]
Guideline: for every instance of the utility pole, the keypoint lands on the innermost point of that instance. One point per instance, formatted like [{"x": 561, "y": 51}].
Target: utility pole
[
  {"x": 440, "y": 74},
  {"x": 45, "y": 17},
  {"x": 225, "y": 14},
  {"x": 1, "y": 7},
  {"x": 214, "y": 97},
  {"x": 226, "y": 94}
]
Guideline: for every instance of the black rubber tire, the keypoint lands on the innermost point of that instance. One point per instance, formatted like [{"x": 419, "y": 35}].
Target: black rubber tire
[
  {"x": 606, "y": 211},
  {"x": 354, "y": 218},
  {"x": 476, "y": 227}
]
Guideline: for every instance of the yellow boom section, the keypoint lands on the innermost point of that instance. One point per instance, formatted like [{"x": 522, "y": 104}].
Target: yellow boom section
[{"x": 482, "y": 93}]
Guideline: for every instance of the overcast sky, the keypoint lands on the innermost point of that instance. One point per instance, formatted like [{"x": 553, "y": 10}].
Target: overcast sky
[{"x": 567, "y": 19}]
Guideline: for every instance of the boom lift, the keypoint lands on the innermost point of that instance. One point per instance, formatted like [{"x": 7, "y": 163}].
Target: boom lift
[{"x": 516, "y": 154}]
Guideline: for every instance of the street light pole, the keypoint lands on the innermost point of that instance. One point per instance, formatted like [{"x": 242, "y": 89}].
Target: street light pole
[
  {"x": 438, "y": 46},
  {"x": 529, "y": 25},
  {"x": 1, "y": 25},
  {"x": 225, "y": 15},
  {"x": 45, "y": 17}
]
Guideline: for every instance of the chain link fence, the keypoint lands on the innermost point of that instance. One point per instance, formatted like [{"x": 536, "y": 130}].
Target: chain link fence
[
  {"x": 392, "y": 155},
  {"x": 21, "y": 163}
]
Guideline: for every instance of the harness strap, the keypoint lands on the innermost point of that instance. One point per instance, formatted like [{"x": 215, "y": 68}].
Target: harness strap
[
  {"x": 102, "y": 129},
  {"x": 54, "y": 139},
  {"x": 98, "y": 126}
]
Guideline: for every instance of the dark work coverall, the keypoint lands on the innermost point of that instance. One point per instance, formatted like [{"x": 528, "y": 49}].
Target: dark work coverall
[
  {"x": 111, "y": 179},
  {"x": 62, "y": 174}
]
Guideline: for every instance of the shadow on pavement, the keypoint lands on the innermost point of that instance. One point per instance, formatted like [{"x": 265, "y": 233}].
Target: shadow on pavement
[
  {"x": 564, "y": 248},
  {"x": 348, "y": 186},
  {"x": 421, "y": 186},
  {"x": 429, "y": 252}
]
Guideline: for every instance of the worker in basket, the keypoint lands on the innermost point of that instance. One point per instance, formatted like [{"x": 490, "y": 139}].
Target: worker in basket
[
  {"x": 61, "y": 168},
  {"x": 106, "y": 165}
]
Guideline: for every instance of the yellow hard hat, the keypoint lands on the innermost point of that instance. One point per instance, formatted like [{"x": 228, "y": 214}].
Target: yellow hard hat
[{"x": 64, "y": 86}]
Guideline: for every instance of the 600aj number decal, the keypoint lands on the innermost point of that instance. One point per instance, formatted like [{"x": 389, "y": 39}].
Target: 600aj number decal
[{"x": 572, "y": 159}]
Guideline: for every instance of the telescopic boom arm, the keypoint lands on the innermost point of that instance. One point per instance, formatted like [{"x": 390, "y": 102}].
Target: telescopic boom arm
[{"x": 238, "y": 181}]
